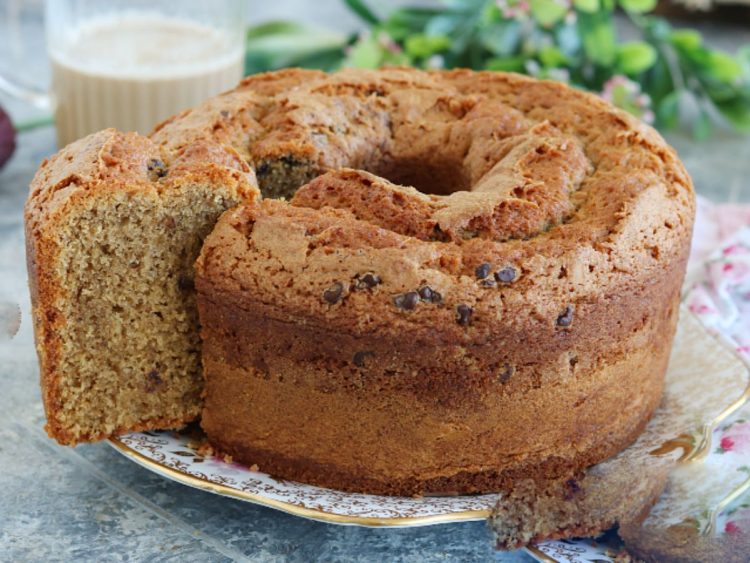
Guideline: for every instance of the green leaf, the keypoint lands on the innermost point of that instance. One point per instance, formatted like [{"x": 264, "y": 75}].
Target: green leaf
[
  {"x": 444, "y": 24},
  {"x": 635, "y": 57},
  {"x": 638, "y": 6},
  {"x": 723, "y": 66},
  {"x": 687, "y": 39},
  {"x": 702, "y": 126},
  {"x": 502, "y": 38},
  {"x": 737, "y": 112},
  {"x": 668, "y": 112},
  {"x": 366, "y": 53},
  {"x": 405, "y": 21},
  {"x": 277, "y": 44},
  {"x": 589, "y": 6},
  {"x": 743, "y": 57},
  {"x": 363, "y": 11},
  {"x": 328, "y": 60},
  {"x": 423, "y": 46},
  {"x": 551, "y": 56},
  {"x": 710, "y": 63},
  {"x": 568, "y": 40},
  {"x": 547, "y": 12},
  {"x": 509, "y": 64},
  {"x": 598, "y": 34},
  {"x": 657, "y": 29}
]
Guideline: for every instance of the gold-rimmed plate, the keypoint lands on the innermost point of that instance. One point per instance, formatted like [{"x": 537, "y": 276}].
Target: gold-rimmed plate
[
  {"x": 177, "y": 456},
  {"x": 700, "y": 404}
]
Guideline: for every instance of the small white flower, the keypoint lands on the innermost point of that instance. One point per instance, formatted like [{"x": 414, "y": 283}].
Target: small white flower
[
  {"x": 436, "y": 61},
  {"x": 532, "y": 67}
]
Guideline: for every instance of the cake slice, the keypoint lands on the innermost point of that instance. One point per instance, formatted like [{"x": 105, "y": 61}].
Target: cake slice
[{"x": 113, "y": 226}]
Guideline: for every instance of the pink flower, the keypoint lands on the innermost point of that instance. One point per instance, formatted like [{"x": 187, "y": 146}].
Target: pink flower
[
  {"x": 736, "y": 438},
  {"x": 700, "y": 308},
  {"x": 734, "y": 249},
  {"x": 739, "y": 523},
  {"x": 732, "y": 528}
]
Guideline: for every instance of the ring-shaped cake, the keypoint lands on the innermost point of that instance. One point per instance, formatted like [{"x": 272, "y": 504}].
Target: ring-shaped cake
[
  {"x": 455, "y": 280},
  {"x": 478, "y": 280}
]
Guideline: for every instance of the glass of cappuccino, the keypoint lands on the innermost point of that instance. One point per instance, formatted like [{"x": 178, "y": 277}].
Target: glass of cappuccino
[{"x": 130, "y": 64}]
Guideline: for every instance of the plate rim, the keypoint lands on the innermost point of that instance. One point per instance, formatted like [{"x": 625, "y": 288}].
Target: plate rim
[{"x": 294, "y": 509}]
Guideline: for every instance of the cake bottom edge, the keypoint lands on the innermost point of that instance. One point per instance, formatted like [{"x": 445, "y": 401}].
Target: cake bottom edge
[{"x": 490, "y": 480}]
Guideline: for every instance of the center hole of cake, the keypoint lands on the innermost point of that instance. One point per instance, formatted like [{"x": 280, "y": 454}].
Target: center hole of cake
[{"x": 437, "y": 176}]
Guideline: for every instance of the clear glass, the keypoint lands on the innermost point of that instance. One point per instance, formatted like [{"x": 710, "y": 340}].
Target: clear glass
[{"x": 130, "y": 64}]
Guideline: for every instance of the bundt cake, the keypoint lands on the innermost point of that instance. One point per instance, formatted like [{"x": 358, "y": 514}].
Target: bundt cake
[{"x": 455, "y": 279}]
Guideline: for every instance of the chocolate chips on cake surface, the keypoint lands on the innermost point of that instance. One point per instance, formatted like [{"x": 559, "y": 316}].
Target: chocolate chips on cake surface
[
  {"x": 482, "y": 271},
  {"x": 156, "y": 168},
  {"x": 506, "y": 275},
  {"x": 407, "y": 301},
  {"x": 333, "y": 294},
  {"x": 565, "y": 319},
  {"x": 464, "y": 314},
  {"x": 366, "y": 281}
]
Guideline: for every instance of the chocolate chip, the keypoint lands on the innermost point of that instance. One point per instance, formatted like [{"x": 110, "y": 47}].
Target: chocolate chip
[
  {"x": 463, "y": 314},
  {"x": 507, "y": 372},
  {"x": 506, "y": 275},
  {"x": 263, "y": 169},
  {"x": 184, "y": 283},
  {"x": 410, "y": 300},
  {"x": 436, "y": 297},
  {"x": 439, "y": 235},
  {"x": 224, "y": 113},
  {"x": 260, "y": 364},
  {"x": 425, "y": 293},
  {"x": 156, "y": 168},
  {"x": 333, "y": 293},
  {"x": 406, "y": 301},
  {"x": 367, "y": 281},
  {"x": 488, "y": 283},
  {"x": 482, "y": 271},
  {"x": 571, "y": 488},
  {"x": 153, "y": 380},
  {"x": 566, "y": 318},
  {"x": 360, "y": 357}
]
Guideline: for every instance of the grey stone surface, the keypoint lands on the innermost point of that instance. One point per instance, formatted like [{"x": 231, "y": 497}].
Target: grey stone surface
[{"x": 91, "y": 504}]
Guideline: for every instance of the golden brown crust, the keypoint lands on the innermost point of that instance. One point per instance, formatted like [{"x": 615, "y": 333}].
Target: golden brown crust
[
  {"x": 316, "y": 371},
  {"x": 305, "y": 394}
]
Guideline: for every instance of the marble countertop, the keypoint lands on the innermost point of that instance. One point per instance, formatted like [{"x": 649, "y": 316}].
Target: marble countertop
[{"x": 92, "y": 504}]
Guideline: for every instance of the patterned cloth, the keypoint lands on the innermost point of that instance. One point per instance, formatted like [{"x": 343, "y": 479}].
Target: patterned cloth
[{"x": 718, "y": 280}]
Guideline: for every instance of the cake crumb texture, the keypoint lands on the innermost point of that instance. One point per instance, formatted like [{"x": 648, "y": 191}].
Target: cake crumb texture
[{"x": 113, "y": 228}]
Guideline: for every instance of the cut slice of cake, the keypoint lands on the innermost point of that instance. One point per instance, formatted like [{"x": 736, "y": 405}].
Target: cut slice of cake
[{"x": 113, "y": 226}]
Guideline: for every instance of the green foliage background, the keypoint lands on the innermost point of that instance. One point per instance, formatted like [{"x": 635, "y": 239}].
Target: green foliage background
[{"x": 571, "y": 40}]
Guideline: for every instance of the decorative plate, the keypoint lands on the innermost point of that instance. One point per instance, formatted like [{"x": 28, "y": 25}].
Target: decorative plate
[{"x": 709, "y": 402}]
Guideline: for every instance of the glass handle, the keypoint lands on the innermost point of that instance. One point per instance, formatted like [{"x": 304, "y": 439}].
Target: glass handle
[{"x": 35, "y": 97}]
